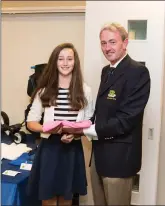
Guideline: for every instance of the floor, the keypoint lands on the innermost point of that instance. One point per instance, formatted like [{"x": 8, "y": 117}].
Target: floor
[{"x": 88, "y": 199}]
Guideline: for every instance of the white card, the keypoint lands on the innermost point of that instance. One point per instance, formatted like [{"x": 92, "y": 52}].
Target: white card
[
  {"x": 10, "y": 173},
  {"x": 25, "y": 166}
]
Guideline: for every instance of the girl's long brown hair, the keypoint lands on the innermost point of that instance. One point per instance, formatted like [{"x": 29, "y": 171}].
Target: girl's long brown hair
[{"x": 49, "y": 81}]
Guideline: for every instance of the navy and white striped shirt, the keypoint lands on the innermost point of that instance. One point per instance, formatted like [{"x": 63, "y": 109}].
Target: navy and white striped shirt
[
  {"x": 63, "y": 110},
  {"x": 36, "y": 110}
]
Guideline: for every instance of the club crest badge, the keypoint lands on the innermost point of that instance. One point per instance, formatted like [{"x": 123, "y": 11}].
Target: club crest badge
[{"x": 111, "y": 95}]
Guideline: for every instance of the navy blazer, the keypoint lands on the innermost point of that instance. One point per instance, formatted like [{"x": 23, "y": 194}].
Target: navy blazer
[{"x": 118, "y": 118}]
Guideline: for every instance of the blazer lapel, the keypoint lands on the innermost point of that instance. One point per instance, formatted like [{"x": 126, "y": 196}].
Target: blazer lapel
[{"x": 118, "y": 72}]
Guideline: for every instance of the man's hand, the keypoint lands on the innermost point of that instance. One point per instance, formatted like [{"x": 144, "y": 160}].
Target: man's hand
[
  {"x": 67, "y": 138},
  {"x": 72, "y": 130}
]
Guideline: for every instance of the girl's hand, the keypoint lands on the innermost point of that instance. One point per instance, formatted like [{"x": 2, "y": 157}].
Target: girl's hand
[
  {"x": 67, "y": 138},
  {"x": 72, "y": 130},
  {"x": 57, "y": 130}
]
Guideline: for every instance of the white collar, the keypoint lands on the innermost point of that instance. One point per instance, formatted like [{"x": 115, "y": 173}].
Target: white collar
[{"x": 116, "y": 64}]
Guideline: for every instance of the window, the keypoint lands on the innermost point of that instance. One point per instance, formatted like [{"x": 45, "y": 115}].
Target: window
[{"x": 137, "y": 29}]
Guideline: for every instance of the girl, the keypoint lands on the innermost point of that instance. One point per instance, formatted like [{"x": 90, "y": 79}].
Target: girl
[{"x": 58, "y": 170}]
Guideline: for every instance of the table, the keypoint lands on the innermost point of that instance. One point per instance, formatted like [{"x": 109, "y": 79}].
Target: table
[{"x": 13, "y": 189}]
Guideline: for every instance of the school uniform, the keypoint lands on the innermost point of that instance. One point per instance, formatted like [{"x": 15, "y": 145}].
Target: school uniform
[
  {"x": 120, "y": 104},
  {"x": 59, "y": 168}
]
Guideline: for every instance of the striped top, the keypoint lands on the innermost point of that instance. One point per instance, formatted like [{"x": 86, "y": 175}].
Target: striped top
[{"x": 63, "y": 110}]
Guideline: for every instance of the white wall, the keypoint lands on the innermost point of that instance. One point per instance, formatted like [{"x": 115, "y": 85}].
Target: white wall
[
  {"x": 161, "y": 172},
  {"x": 29, "y": 39},
  {"x": 152, "y": 52}
]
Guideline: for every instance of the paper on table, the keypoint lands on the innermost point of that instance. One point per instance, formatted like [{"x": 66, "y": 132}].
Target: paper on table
[
  {"x": 13, "y": 151},
  {"x": 26, "y": 166},
  {"x": 10, "y": 173}
]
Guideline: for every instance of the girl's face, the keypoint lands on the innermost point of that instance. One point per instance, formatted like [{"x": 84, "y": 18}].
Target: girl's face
[{"x": 65, "y": 62}]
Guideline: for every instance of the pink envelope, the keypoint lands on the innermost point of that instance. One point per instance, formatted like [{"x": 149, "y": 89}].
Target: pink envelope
[{"x": 77, "y": 125}]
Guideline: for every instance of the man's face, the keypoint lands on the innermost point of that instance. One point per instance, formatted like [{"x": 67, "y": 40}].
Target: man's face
[{"x": 112, "y": 45}]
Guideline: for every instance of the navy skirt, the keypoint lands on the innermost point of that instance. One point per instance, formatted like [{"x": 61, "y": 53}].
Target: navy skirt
[{"x": 58, "y": 170}]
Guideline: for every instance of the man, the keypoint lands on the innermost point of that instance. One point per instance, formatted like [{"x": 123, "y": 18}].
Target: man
[{"x": 117, "y": 121}]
